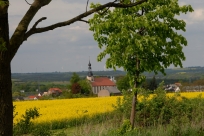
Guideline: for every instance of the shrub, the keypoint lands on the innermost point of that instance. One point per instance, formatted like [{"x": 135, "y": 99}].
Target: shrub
[
  {"x": 162, "y": 110},
  {"x": 126, "y": 126},
  {"x": 24, "y": 125}
]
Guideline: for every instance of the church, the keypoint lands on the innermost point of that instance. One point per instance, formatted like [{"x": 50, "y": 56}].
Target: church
[{"x": 102, "y": 86}]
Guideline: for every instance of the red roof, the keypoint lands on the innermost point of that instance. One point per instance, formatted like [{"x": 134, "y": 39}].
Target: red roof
[
  {"x": 55, "y": 89},
  {"x": 31, "y": 97},
  {"x": 102, "y": 81}
]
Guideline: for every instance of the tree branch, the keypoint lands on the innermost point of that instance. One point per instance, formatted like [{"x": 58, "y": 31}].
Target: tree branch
[
  {"x": 101, "y": 13},
  {"x": 36, "y": 23},
  {"x": 84, "y": 21},
  {"x": 18, "y": 37},
  {"x": 27, "y": 2},
  {"x": 79, "y": 17},
  {"x": 21, "y": 33}
]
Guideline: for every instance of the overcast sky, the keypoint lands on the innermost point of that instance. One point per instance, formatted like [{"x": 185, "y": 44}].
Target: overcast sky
[{"x": 68, "y": 49}]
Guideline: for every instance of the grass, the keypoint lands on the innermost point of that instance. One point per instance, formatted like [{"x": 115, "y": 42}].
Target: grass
[{"x": 88, "y": 129}]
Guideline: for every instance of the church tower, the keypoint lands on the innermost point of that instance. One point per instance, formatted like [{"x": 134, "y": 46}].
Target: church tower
[{"x": 90, "y": 74}]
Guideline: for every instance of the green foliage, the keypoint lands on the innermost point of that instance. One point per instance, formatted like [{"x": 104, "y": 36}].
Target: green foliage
[
  {"x": 66, "y": 94},
  {"x": 32, "y": 86},
  {"x": 153, "y": 84},
  {"x": 61, "y": 134},
  {"x": 141, "y": 38},
  {"x": 17, "y": 94},
  {"x": 176, "y": 115},
  {"x": 40, "y": 131},
  {"x": 161, "y": 109},
  {"x": 75, "y": 78},
  {"x": 123, "y": 106},
  {"x": 126, "y": 126},
  {"x": 145, "y": 34},
  {"x": 85, "y": 86},
  {"x": 123, "y": 83},
  {"x": 24, "y": 125}
]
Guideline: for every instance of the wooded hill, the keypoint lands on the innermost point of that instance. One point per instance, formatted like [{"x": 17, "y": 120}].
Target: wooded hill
[{"x": 172, "y": 75}]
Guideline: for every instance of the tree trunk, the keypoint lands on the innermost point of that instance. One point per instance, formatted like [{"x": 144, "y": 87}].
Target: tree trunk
[
  {"x": 133, "y": 110},
  {"x": 6, "y": 104},
  {"x": 134, "y": 100}
]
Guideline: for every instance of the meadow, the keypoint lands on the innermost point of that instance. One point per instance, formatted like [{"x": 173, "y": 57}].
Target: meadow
[{"x": 171, "y": 109}]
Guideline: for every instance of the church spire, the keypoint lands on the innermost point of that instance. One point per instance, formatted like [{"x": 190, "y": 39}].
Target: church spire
[{"x": 90, "y": 74}]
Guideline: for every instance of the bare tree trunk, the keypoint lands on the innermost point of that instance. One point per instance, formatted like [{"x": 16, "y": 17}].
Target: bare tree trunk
[
  {"x": 134, "y": 100},
  {"x": 6, "y": 104},
  {"x": 133, "y": 110}
]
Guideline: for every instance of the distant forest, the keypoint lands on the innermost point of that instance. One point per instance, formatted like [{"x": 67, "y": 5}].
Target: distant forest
[
  {"x": 188, "y": 74},
  {"x": 60, "y": 76}
]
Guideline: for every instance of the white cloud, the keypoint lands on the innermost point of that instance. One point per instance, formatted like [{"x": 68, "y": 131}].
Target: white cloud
[
  {"x": 76, "y": 28},
  {"x": 73, "y": 39},
  {"x": 197, "y": 15}
]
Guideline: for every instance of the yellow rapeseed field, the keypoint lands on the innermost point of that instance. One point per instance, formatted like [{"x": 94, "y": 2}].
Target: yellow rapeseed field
[
  {"x": 74, "y": 108},
  {"x": 189, "y": 94},
  {"x": 66, "y": 108}
]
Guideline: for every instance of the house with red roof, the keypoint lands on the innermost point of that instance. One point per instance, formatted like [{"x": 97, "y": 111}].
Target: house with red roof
[
  {"x": 54, "y": 91},
  {"x": 33, "y": 97},
  {"x": 101, "y": 83},
  {"x": 104, "y": 84}
]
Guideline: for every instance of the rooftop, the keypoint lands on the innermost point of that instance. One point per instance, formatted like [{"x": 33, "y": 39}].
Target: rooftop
[{"x": 102, "y": 81}]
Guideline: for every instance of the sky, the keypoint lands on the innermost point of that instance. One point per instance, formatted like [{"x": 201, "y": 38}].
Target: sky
[{"x": 69, "y": 48}]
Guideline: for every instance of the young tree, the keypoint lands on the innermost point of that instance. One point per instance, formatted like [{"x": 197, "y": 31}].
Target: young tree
[
  {"x": 153, "y": 84},
  {"x": 85, "y": 86},
  {"x": 141, "y": 38},
  {"x": 21, "y": 34},
  {"x": 75, "y": 78}
]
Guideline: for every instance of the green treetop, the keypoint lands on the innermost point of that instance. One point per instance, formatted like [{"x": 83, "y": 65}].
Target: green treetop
[{"x": 147, "y": 33}]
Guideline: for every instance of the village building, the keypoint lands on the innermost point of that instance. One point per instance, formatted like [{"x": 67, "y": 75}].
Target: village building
[
  {"x": 33, "y": 97},
  {"x": 54, "y": 91},
  {"x": 19, "y": 98},
  {"x": 173, "y": 87},
  {"x": 102, "y": 86}
]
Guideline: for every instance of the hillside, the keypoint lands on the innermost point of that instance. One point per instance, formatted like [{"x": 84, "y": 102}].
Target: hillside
[
  {"x": 176, "y": 74},
  {"x": 60, "y": 76}
]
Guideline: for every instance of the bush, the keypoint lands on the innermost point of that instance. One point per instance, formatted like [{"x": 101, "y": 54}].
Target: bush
[
  {"x": 161, "y": 110},
  {"x": 126, "y": 126},
  {"x": 24, "y": 125}
]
